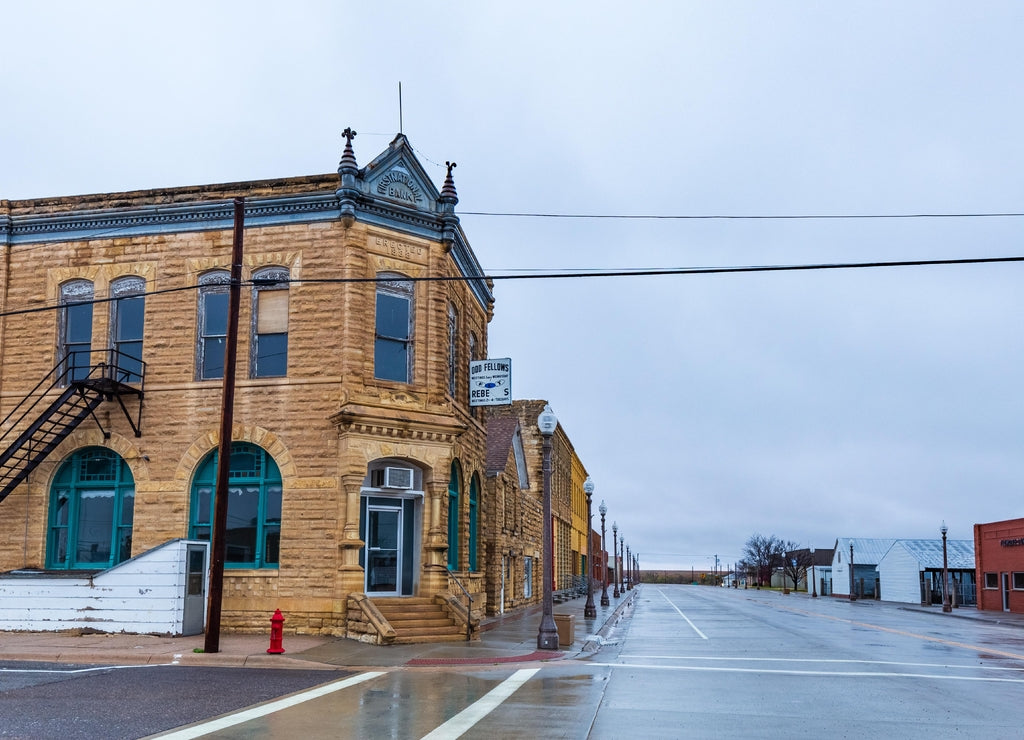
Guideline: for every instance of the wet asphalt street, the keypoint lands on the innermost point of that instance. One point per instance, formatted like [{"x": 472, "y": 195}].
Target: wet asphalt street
[{"x": 689, "y": 662}]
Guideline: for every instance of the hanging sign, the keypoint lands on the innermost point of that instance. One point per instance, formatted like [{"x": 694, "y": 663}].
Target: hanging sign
[{"x": 490, "y": 382}]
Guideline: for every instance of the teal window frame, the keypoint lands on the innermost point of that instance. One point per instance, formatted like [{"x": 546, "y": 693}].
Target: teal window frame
[
  {"x": 77, "y": 498},
  {"x": 453, "y": 518},
  {"x": 254, "y": 506},
  {"x": 474, "y": 509}
]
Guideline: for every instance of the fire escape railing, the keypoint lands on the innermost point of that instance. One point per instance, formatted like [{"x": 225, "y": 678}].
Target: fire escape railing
[{"x": 66, "y": 395}]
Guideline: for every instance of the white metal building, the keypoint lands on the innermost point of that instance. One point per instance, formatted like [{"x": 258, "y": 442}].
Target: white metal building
[
  {"x": 911, "y": 571},
  {"x": 867, "y": 554}
]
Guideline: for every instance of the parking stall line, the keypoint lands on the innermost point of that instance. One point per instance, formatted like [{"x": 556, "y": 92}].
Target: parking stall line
[
  {"x": 468, "y": 717},
  {"x": 695, "y": 629},
  {"x": 269, "y": 708},
  {"x": 794, "y": 672}
]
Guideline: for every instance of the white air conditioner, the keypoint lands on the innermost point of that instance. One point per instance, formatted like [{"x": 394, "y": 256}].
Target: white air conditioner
[{"x": 393, "y": 478}]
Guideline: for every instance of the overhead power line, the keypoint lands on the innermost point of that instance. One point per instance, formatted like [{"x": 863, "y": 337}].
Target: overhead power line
[
  {"x": 636, "y": 272},
  {"x": 740, "y": 217}
]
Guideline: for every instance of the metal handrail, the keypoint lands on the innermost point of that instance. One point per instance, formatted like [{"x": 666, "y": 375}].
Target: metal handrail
[{"x": 469, "y": 596}]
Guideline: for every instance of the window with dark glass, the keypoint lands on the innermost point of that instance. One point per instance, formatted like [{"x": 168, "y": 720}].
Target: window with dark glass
[
  {"x": 991, "y": 580},
  {"x": 253, "y": 532},
  {"x": 453, "y": 350},
  {"x": 453, "y": 518},
  {"x": 1018, "y": 581},
  {"x": 474, "y": 513},
  {"x": 212, "y": 325},
  {"x": 127, "y": 322},
  {"x": 269, "y": 355},
  {"x": 392, "y": 352},
  {"x": 92, "y": 505},
  {"x": 74, "y": 344}
]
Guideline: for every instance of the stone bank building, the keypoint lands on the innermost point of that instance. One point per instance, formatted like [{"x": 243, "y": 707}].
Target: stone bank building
[{"x": 357, "y": 466}]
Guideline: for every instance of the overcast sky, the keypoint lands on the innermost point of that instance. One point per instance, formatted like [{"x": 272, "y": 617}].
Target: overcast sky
[{"x": 810, "y": 405}]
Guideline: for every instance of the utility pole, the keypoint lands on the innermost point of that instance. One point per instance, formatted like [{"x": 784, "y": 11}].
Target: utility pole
[{"x": 218, "y": 543}]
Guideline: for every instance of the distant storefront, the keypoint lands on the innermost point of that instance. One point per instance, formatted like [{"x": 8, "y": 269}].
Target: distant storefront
[{"x": 999, "y": 551}]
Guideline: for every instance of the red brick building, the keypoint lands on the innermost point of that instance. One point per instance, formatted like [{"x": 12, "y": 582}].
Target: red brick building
[{"x": 999, "y": 553}]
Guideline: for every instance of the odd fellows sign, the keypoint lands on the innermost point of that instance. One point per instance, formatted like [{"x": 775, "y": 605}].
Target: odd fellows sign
[{"x": 490, "y": 382}]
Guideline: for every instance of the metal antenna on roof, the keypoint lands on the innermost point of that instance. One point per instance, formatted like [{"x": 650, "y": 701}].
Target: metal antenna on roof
[{"x": 400, "y": 106}]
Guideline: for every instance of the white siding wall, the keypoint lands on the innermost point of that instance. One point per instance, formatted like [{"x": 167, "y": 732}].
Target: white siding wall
[
  {"x": 145, "y": 594},
  {"x": 899, "y": 576},
  {"x": 840, "y": 570}
]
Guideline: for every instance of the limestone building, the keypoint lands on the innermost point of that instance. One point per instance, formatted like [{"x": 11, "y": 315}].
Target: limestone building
[
  {"x": 514, "y": 493},
  {"x": 357, "y": 466}
]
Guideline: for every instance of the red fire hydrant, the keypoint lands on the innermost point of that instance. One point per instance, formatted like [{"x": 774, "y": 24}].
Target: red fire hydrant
[{"x": 276, "y": 633}]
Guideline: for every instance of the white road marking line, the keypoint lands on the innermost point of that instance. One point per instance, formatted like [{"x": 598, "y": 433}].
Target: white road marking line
[
  {"x": 78, "y": 670},
  {"x": 792, "y": 672},
  {"x": 821, "y": 660},
  {"x": 269, "y": 708},
  {"x": 464, "y": 720},
  {"x": 703, "y": 636}
]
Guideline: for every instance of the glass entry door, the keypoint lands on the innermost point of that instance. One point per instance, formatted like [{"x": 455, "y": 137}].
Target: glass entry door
[{"x": 383, "y": 550}]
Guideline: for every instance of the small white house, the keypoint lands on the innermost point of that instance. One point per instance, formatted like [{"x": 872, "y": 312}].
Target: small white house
[{"x": 911, "y": 571}]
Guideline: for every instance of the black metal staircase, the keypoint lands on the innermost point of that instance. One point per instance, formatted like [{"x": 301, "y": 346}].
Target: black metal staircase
[{"x": 74, "y": 388}]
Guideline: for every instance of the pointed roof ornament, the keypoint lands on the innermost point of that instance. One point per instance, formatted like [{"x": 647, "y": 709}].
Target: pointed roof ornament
[
  {"x": 448, "y": 194},
  {"x": 348, "y": 157}
]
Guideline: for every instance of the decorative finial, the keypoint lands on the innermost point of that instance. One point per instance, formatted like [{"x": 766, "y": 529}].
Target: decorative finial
[
  {"x": 448, "y": 193},
  {"x": 348, "y": 157}
]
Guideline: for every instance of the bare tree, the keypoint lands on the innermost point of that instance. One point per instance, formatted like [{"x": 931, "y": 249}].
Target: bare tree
[
  {"x": 764, "y": 554},
  {"x": 796, "y": 561}
]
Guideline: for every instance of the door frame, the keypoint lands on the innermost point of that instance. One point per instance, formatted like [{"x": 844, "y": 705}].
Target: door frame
[{"x": 396, "y": 509}]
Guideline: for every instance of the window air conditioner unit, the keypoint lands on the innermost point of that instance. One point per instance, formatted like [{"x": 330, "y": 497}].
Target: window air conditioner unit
[{"x": 393, "y": 478}]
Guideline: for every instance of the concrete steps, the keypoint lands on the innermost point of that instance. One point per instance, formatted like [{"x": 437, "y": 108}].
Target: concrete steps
[{"x": 418, "y": 619}]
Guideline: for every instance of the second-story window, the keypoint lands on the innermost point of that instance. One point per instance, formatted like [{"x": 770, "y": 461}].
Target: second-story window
[
  {"x": 453, "y": 350},
  {"x": 127, "y": 322},
  {"x": 392, "y": 351},
  {"x": 74, "y": 339},
  {"x": 212, "y": 324},
  {"x": 269, "y": 346}
]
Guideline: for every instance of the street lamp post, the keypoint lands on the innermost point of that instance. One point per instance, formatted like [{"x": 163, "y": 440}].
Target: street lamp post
[
  {"x": 853, "y": 596},
  {"x": 547, "y": 635},
  {"x": 946, "y": 606},
  {"x": 622, "y": 558},
  {"x": 615, "y": 557},
  {"x": 589, "y": 610},
  {"x": 604, "y": 559},
  {"x": 814, "y": 577},
  {"x": 629, "y": 571}
]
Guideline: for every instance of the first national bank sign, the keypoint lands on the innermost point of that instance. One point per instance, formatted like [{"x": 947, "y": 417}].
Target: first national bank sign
[{"x": 490, "y": 382}]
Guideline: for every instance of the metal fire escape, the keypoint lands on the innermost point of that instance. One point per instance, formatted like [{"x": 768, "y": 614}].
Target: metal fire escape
[{"x": 61, "y": 401}]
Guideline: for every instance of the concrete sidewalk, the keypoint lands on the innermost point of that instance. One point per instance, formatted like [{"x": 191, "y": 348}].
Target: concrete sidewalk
[{"x": 504, "y": 639}]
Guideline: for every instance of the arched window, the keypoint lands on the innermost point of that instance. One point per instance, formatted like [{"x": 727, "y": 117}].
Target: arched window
[
  {"x": 453, "y": 350},
  {"x": 269, "y": 343},
  {"x": 92, "y": 505},
  {"x": 74, "y": 334},
  {"x": 453, "y": 518},
  {"x": 474, "y": 518},
  {"x": 212, "y": 324},
  {"x": 254, "y": 506},
  {"x": 392, "y": 349},
  {"x": 127, "y": 324}
]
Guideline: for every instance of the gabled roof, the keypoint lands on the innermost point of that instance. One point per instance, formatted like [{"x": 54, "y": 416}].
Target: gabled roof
[
  {"x": 866, "y": 550},
  {"x": 928, "y": 553},
  {"x": 503, "y": 436}
]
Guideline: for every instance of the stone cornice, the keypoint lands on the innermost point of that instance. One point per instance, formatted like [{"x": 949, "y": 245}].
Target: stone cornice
[{"x": 405, "y": 425}]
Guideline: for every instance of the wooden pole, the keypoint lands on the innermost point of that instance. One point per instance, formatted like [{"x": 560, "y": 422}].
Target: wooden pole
[{"x": 218, "y": 543}]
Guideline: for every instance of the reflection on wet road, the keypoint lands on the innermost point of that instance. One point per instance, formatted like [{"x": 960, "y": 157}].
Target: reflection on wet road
[{"x": 697, "y": 661}]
